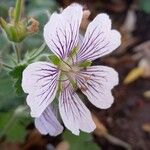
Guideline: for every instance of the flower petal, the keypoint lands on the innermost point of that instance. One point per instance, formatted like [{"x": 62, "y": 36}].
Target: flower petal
[
  {"x": 99, "y": 39},
  {"x": 47, "y": 123},
  {"x": 61, "y": 33},
  {"x": 40, "y": 82},
  {"x": 74, "y": 113},
  {"x": 96, "y": 83}
]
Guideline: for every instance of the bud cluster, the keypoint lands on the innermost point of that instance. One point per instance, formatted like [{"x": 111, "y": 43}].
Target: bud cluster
[{"x": 17, "y": 29}]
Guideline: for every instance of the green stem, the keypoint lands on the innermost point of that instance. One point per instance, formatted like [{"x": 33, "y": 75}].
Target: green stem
[
  {"x": 18, "y": 8},
  {"x": 15, "y": 47}
]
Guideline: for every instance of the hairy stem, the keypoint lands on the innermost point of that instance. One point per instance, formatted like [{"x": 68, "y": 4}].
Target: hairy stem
[
  {"x": 18, "y": 8},
  {"x": 15, "y": 47}
]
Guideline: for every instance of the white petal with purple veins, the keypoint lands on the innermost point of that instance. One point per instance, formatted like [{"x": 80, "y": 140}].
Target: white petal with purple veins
[
  {"x": 40, "y": 81},
  {"x": 96, "y": 83},
  {"x": 47, "y": 123},
  {"x": 99, "y": 39},
  {"x": 74, "y": 113},
  {"x": 61, "y": 33}
]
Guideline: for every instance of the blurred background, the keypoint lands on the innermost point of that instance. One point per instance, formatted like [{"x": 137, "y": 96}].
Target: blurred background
[{"x": 126, "y": 125}]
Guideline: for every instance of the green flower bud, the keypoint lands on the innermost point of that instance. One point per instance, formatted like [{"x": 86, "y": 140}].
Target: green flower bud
[{"x": 15, "y": 32}]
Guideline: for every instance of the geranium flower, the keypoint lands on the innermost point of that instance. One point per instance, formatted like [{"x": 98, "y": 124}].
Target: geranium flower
[{"x": 70, "y": 69}]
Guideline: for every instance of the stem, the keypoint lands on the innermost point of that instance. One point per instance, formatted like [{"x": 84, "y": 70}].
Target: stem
[
  {"x": 18, "y": 8},
  {"x": 17, "y": 52}
]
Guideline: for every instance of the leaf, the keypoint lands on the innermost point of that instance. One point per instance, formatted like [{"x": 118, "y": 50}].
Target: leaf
[
  {"x": 8, "y": 99},
  {"x": 83, "y": 141},
  {"x": 15, "y": 130},
  {"x": 16, "y": 74}
]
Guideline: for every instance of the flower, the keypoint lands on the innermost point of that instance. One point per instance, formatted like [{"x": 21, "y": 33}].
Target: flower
[{"x": 70, "y": 69}]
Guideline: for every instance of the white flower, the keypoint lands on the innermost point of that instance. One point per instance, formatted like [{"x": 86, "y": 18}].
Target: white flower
[{"x": 71, "y": 70}]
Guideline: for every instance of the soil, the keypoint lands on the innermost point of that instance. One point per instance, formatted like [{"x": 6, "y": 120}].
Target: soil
[{"x": 129, "y": 112}]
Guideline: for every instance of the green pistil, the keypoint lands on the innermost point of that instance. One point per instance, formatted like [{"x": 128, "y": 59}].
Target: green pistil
[{"x": 64, "y": 76}]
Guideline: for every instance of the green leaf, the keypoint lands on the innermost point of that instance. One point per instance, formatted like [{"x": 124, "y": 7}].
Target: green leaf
[
  {"x": 14, "y": 128},
  {"x": 83, "y": 141},
  {"x": 16, "y": 73},
  {"x": 8, "y": 99}
]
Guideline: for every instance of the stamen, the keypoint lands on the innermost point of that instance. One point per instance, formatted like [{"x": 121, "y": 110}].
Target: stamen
[
  {"x": 87, "y": 77},
  {"x": 83, "y": 88}
]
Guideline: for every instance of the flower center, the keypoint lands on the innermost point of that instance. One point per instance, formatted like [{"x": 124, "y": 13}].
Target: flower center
[{"x": 70, "y": 70}]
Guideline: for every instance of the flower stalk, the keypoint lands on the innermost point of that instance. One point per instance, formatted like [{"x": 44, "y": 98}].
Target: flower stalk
[
  {"x": 16, "y": 50},
  {"x": 17, "y": 28},
  {"x": 17, "y": 12}
]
